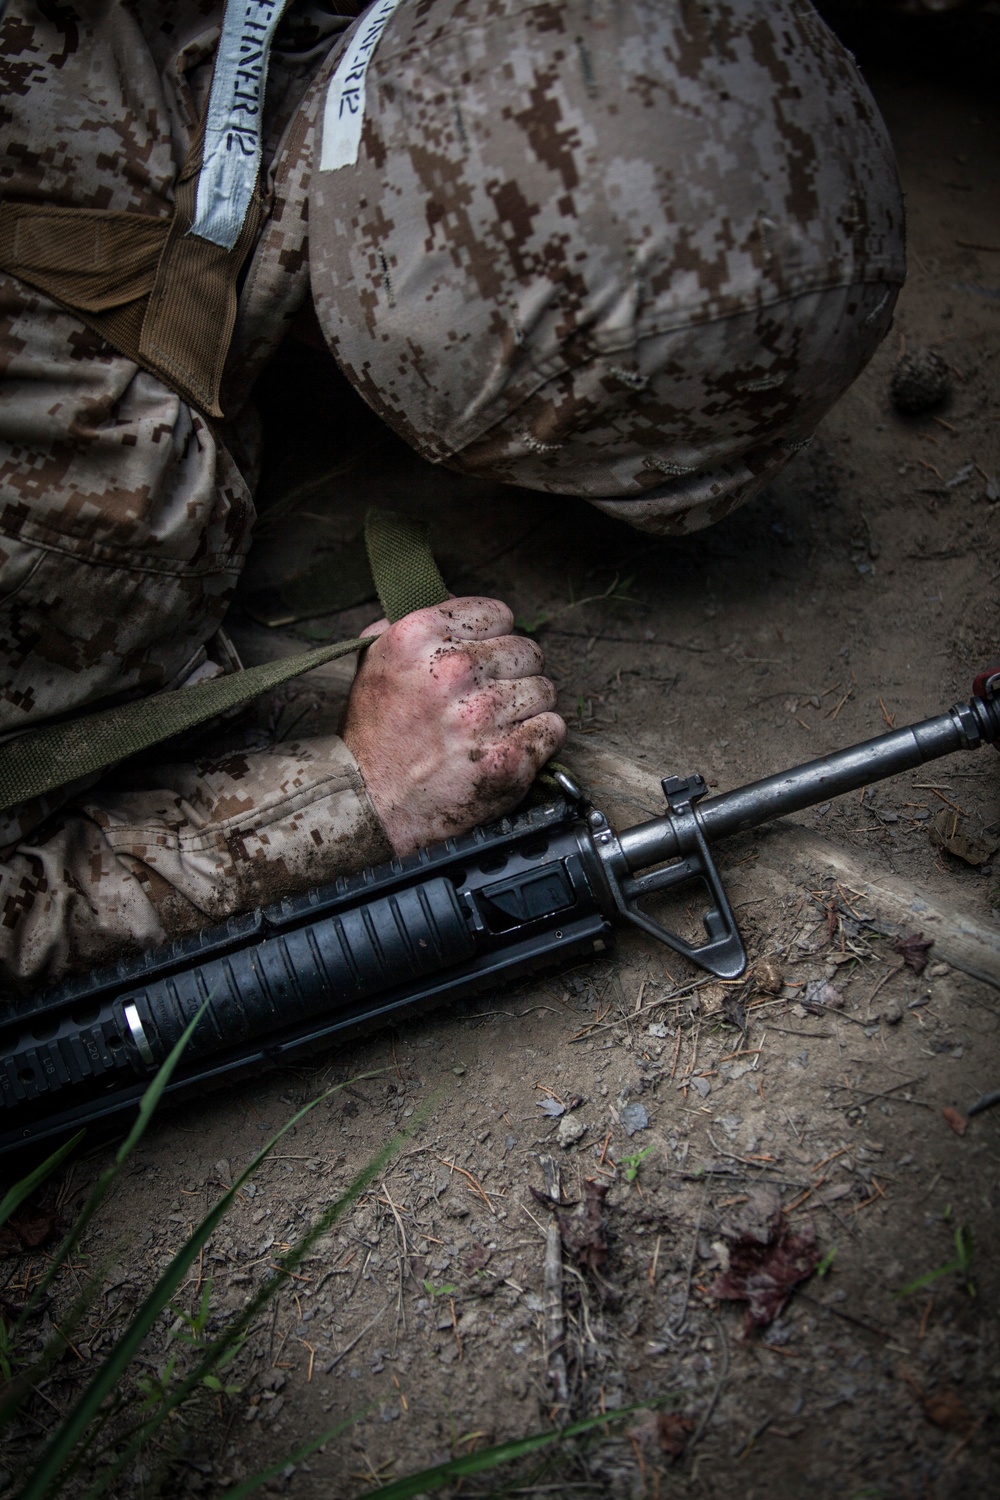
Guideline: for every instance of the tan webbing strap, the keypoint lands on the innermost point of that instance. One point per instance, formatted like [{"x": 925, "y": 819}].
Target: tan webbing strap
[
  {"x": 191, "y": 312},
  {"x": 160, "y": 295},
  {"x": 56, "y": 754},
  {"x": 98, "y": 263},
  {"x": 97, "y": 258}
]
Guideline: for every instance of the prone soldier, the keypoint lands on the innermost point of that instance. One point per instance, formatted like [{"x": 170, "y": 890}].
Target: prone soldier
[{"x": 631, "y": 250}]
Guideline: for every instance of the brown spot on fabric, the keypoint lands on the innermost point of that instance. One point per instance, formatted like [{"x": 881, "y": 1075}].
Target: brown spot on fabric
[
  {"x": 64, "y": 19},
  {"x": 19, "y": 902},
  {"x": 540, "y": 123}
]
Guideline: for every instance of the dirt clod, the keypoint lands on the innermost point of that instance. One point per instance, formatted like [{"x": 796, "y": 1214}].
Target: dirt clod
[
  {"x": 920, "y": 382},
  {"x": 769, "y": 976}
]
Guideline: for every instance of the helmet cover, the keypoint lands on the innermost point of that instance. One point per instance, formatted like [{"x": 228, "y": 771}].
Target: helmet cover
[{"x": 627, "y": 249}]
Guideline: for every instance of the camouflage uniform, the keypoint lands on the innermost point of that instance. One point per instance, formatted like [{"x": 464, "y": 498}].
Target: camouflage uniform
[
  {"x": 124, "y": 520},
  {"x": 480, "y": 308}
]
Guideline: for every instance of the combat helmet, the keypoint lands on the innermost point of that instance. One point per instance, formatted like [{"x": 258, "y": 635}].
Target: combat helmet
[{"x": 626, "y": 249}]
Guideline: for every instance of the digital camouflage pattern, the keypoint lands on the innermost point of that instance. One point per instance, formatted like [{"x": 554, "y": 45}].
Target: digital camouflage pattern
[
  {"x": 628, "y": 249},
  {"x": 125, "y": 515},
  {"x": 124, "y": 518}
]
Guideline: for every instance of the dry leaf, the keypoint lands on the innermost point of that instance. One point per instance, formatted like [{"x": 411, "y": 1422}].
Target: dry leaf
[
  {"x": 764, "y": 1272},
  {"x": 477, "y": 1257},
  {"x": 914, "y": 951},
  {"x": 29, "y": 1229},
  {"x": 945, "y": 1408},
  {"x": 945, "y": 832},
  {"x": 667, "y": 1431},
  {"x": 584, "y": 1233},
  {"x": 673, "y": 1431}
]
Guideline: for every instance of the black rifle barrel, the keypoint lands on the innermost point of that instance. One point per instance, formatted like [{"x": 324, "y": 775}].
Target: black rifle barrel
[{"x": 964, "y": 727}]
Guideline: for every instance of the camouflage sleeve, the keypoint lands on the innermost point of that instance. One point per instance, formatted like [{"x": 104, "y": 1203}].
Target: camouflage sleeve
[
  {"x": 124, "y": 524},
  {"x": 123, "y": 868}
]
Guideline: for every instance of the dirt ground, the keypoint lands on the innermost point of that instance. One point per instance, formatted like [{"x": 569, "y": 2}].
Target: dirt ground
[{"x": 859, "y": 592}]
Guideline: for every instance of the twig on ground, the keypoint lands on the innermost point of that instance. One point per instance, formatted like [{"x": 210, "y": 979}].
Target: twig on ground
[
  {"x": 922, "y": 1330},
  {"x": 839, "y": 1014},
  {"x": 907, "y": 1083},
  {"x": 453, "y": 1166},
  {"x": 555, "y": 1320},
  {"x": 847, "y": 1317},
  {"x": 335, "y": 1361},
  {"x": 883, "y": 981},
  {"x": 798, "y": 1202},
  {"x": 713, "y": 1399},
  {"x": 960, "y": 1447},
  {"x": 867, "y": 1202},
  {"x": 404, "y": 1258},
  {"x": 677, "y": 1325},
  {"x": 987, "y": 1101}
]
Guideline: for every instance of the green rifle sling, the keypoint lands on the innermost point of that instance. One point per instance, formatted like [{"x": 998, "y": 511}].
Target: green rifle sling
[{"x": 55, "y": 755}]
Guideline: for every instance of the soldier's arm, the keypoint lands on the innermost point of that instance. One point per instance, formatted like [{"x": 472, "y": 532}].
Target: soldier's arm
[{"x": 123, "y": 524}]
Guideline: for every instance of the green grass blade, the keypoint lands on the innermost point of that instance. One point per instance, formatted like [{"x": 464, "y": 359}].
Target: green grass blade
[
  {"x": 58, "y": 1451},
  {"x": 136, "y": 1436},
  {"x": 247, "y": 1486},
  {"x": 928, "y": 1278},
  {"x": 963, "y": 1246},
  {"x": 17, "y": 1393},
  {"x": 27, "y": 1185},
  {"x": 961, "y": 1263},
  {"x": 491, "y": 1458},
  {"x": 150, "y": 1099}
]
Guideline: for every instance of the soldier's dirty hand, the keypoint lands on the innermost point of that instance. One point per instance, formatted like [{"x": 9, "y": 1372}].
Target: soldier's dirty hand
[{"x": 450, "y": 719}]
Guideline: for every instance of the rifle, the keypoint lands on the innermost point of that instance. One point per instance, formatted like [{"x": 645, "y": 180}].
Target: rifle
[{"x": 544, "y": 885}]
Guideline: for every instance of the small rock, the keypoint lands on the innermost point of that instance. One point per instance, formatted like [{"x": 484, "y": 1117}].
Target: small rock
[
  {"x": 937, "y": 971},
  {"x": 920, "y": 381},
  {"x": 892, "y": 1012},
  {"x": 570, "y": 1131},
  {"x": 819, "y": 992},
  {"x": 635, "y": 1117},
  {"x": 721, "y": 1252}
]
